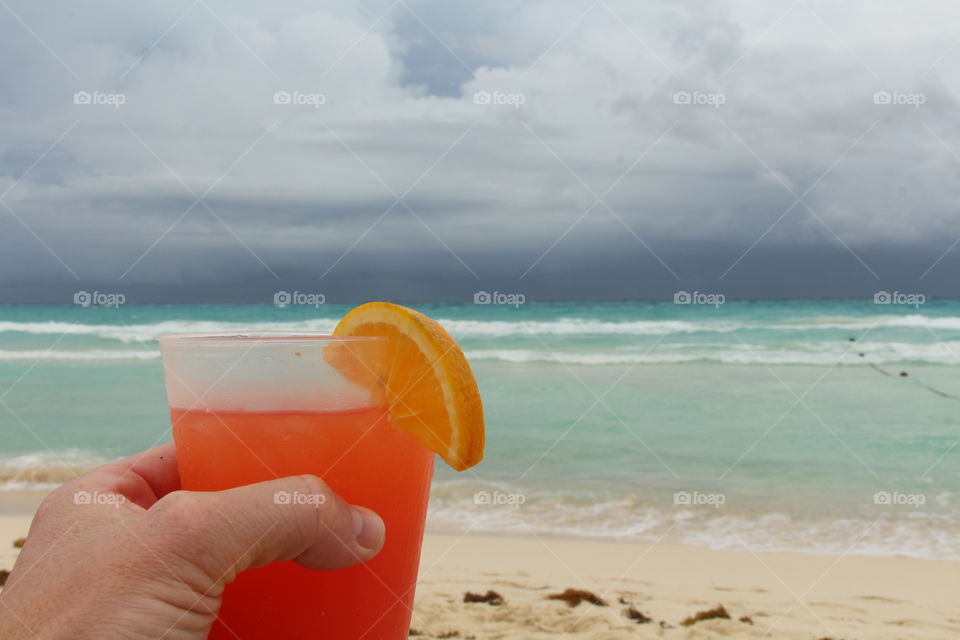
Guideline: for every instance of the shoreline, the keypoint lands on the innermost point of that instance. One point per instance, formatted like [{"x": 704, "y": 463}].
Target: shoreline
[
  {"x": 788, "y": 595},
  {"x": 785, "y": 594},
  {"x": 18, "y": 506},
  {"x": 443, "y": 532}
]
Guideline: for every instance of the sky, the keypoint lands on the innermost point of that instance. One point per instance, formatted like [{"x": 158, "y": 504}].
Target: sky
[{"x": 207, "y": 151}]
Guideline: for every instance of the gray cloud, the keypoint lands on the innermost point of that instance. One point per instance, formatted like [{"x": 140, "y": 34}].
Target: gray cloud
[{"x": 500, "y": 125}]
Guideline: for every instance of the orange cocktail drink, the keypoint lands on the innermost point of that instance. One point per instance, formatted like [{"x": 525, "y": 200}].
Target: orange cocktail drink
[{"x": 246, "y": 409}]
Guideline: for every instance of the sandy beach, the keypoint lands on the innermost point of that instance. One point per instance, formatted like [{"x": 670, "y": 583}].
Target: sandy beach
[
  {"x": 780, "y": 595},
  {"x": 784, "y": 595},
  {"x": 16, "y": 512}
]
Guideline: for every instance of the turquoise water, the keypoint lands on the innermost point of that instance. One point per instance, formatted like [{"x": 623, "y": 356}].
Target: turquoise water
[{"x": 601, "y": 417}]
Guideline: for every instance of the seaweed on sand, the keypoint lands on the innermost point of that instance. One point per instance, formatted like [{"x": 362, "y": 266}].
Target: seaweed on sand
[
  {"x": 637, "y": 615},
  {"x": 718, "y": 612},
  {"x": 491, "y": 597},
  {"x": 573, "y": 597}
]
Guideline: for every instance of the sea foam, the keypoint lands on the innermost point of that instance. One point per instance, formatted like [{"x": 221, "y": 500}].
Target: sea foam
[{"x": 571, "y": 327}]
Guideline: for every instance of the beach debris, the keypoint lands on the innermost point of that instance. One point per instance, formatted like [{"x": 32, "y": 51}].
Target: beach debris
[
  {"x": 746, "y": 619},
  {"x": 622, "y": 600},
  {"x": 414, "y": 632},
  {"x": 19, "y": 542},
  {"x": 4, "y": 574},
  {"x": 491, "y": 597},
  {"x": 665, "y": 625},
  {"x": 573, "y": 597},
  {"x": 718, "y": 612},
  {"x": 449, "y": 634},
  {"x": 634, "y": 614}
]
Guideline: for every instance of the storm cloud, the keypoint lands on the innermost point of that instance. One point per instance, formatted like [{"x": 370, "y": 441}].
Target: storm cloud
[{"x": 205, "y": 150}]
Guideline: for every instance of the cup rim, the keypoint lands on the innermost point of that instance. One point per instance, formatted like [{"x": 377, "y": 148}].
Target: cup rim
[{"x": 253, "y": 338}]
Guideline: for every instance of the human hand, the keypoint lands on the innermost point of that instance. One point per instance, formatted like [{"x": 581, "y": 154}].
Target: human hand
[{"x": 122, "y": 552}]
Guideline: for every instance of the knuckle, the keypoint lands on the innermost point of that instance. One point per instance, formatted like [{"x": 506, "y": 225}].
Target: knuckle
[
  {"x": 178, "y": 515},
  {"x": 58, "y": 501},
  {"x": 177, "y": 536},
  {"x": 50, "y": 506},
  {"x": 314, "y": 485},
  {"x": 330, "y": 512}
]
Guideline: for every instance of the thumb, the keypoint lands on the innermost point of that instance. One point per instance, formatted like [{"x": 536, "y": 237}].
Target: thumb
[{"x": 298, "y": 518}]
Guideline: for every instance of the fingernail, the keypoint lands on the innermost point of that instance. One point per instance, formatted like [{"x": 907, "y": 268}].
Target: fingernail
[{"x": 369, "y": 527}]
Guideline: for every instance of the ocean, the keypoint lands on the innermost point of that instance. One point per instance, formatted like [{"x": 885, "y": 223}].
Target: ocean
[{"x": 778, "y": 425}]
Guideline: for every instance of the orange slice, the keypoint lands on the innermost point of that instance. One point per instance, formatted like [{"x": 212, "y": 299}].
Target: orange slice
[{"x": 426, "y": 380}]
